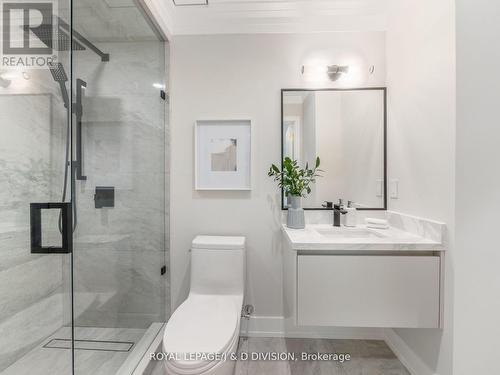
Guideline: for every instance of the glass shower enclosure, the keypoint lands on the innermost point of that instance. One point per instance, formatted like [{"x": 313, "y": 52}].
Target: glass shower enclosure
[{"x": 83, "y": 192}]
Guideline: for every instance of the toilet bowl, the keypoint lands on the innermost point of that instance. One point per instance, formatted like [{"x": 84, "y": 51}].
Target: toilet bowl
[{"x": 202, "y": 335}]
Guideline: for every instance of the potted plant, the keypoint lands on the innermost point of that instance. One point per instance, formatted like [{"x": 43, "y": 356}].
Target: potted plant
[{"x": 295, "y": 183}]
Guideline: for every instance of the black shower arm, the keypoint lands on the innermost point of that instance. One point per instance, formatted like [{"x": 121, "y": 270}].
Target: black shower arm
[{"x": 83, "y": 40}]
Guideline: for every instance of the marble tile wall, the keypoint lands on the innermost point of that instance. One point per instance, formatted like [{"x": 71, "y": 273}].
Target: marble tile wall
[
  {"x": 32, "y": 119},
  {"x": 119, "y": 251}
]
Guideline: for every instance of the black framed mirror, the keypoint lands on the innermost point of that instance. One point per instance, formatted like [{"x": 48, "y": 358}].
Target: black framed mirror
[{"x": 347, "y": 129}]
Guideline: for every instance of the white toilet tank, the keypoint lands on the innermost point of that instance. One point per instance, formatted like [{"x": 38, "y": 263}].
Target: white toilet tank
[{"x": 218, "y": 265}]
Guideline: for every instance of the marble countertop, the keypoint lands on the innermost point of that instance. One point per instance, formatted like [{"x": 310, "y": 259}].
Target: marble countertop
[{"x": 391, "y": 239}]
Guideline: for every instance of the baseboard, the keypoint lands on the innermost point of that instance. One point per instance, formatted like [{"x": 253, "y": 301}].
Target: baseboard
[
  {"x": 274, "y": 326},
  {"x": 405, "y": 355}
]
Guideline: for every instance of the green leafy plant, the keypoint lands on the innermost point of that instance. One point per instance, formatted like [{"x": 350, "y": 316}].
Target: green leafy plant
[{"x": 294, "y": 180}]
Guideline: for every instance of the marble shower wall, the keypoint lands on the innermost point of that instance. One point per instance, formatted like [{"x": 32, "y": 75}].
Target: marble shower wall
[
  {"x": 33, "y": 127},
  {"x": 119, "y": 251}
]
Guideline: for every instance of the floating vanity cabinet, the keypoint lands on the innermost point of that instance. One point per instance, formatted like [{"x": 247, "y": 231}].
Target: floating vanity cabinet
[
  {"x": 368, "y": 291},
  {"x": 389, "y": 281}
]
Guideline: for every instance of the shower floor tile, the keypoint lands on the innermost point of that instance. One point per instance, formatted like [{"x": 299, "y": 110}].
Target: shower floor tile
[{"x": 91, "y": 360}]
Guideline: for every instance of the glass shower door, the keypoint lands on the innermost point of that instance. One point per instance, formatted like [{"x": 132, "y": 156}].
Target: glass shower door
[
  {"x": 35, "y": 215},
  {"x": 119, "y": 138},
  {"x": 83, "y": 266}
]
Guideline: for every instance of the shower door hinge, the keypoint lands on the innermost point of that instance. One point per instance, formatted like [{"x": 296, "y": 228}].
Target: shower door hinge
[
  {"x": 163, "y": 270},
  {"x": 163, "y": 95}
]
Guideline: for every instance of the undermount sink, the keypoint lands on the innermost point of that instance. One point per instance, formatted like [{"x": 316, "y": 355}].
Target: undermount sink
[{"x": 342, "y": 232}]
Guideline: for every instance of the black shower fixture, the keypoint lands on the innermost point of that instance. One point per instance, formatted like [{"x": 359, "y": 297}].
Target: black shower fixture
[
  {"x": 59, "y": 75},
  {"x": 78, "y": 110},
  {"x": 67, "y": 38},
  {"x": 60, "y": 39},
  {"x": 104, "y": 196}
]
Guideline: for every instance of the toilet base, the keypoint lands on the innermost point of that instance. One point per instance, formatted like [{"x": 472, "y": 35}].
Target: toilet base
[{"x": 223, "y": 368}]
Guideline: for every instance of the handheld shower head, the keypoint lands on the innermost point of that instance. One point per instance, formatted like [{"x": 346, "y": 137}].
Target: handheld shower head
[{"x": 59, "y": 75}]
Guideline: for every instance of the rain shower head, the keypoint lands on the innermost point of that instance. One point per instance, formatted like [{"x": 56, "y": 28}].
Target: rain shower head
[
  {"x": 58, "y": 38},
  {"x": 64, "y": 38},
  {"x": 59, "y": 75}
]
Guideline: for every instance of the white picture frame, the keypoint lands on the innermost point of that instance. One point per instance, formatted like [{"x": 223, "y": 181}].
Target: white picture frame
[{"x": 223, "y": 154}]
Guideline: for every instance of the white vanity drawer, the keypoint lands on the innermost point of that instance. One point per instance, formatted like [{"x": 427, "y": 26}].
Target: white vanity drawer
[{"x": 368, "y": 291}]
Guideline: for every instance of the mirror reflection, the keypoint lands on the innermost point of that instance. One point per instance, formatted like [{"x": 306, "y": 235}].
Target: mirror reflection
[{"x": 346, "y": 129}]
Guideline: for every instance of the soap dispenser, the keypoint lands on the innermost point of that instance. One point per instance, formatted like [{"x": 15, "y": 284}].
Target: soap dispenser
[{"x": 350, "y": 216}]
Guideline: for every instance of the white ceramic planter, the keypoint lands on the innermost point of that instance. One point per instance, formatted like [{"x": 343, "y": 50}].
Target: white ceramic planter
[{"x": 295, "y": 216}]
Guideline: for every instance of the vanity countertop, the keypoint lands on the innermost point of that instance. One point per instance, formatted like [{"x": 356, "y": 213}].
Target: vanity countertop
[{"x": 361, "y": 238}]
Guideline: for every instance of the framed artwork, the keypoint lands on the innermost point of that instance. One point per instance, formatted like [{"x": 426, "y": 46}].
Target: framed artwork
[{"x": 223, "y": 155}]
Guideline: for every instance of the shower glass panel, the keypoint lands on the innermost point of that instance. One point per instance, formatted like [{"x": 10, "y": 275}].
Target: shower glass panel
[
  {"x": 35, "y": 300},
  {"x": 83, "y": 266},
  {"x": 119, "y": 139}
]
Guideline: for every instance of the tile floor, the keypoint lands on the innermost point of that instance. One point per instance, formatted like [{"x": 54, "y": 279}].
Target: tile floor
[
  {"x": 368, "y": 357},
  {"x": 44, "y": 361}
]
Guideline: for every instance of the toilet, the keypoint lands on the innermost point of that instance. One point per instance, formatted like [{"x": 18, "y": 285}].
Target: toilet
[{"x": 202, "y": 335}]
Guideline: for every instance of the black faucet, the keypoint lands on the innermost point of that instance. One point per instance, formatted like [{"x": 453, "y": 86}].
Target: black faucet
[{"x": 338, "y": 209}]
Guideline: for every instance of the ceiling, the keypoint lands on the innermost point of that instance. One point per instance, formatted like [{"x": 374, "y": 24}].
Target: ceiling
[{"x": 275, "y": 16}]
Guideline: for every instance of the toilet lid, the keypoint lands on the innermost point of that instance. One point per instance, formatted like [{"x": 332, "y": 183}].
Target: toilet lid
[
  {"x": 218, "y": 243},
  {"x": 202, "y": 324}
]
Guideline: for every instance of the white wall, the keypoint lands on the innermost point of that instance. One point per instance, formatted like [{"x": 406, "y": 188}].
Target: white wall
[
  {"x": 477, "y": 255},
  {"x": 421, "y": 138},
  {"x": 161, "y": 12},
  {"x": 238, "y": 76}
]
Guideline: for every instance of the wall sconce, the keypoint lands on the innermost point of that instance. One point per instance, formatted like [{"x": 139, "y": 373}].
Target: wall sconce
[{"x": 334, "y": 72}]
